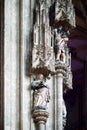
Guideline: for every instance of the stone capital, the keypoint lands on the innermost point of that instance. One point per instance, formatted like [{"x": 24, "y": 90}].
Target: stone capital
[
  {"x": 60, "y": 68},
  {"x": 40, "y": 116}
]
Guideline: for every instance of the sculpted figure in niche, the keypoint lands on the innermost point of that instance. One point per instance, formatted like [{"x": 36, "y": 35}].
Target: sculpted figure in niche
[
  {"x": 64, "y": 114},
  {"x": 41, "y": 93},
  {"x": 61, "y": 43}
]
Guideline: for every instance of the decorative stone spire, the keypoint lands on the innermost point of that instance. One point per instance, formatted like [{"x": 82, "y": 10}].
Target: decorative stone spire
[
  {"x": 43, "y": 63},
  {"x": 43, "y": 54}
]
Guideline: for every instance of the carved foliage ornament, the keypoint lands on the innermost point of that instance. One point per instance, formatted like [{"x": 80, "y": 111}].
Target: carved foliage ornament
[
  {"x": 65, "y": 13},
  {"x": 43, "y": 60}
]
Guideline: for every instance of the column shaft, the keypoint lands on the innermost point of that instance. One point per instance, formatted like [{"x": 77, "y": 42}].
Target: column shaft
[
  {"x": 40, "y": 127},
  {"x": 60, "y": 99}
]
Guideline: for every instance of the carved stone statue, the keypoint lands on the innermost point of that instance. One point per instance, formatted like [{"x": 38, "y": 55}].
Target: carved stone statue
[
  {"x": 61, "y": 43},
  {"x": 41, "y": 93},
  {"x": 64, "y": 114}
]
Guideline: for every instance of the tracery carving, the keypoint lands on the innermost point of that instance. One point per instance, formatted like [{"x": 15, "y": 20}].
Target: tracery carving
[
  {"x": 43, "y": 60},
  {"x": 64, "y": 11},
  {"x": 51, "y": 43}
]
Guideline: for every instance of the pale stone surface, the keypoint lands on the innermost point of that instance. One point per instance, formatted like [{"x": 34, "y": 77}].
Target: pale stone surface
[
  {"x": 59, "y": 100},
  {"x": 18, "y": 46},
  {"x": 11, "y": 66},
  {"x": 25, "y": 80},
  {"x": 18, "y": 96}
]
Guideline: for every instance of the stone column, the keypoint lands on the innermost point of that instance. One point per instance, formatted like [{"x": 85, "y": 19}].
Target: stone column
[
  {"x": 60, "y": 72},
  {"x": 60, "y": 98},
  {"x": 11, "y": 65}
]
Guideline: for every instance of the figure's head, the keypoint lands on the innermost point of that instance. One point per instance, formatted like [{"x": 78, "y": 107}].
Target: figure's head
[
  {"x": 40, "y": 77},
  {"x": 55, "y": 31}
]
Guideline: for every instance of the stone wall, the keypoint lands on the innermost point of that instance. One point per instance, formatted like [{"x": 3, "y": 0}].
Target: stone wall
[{"x": 18, "y": 23}]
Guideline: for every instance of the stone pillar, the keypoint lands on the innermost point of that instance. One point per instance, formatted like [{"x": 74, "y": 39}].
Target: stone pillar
[
  {"x": 60, "y": 99},
  {"x": 60, "y": 72},
  {"x": 11, "y": 65},
  {"x": 17, "y": 45}
]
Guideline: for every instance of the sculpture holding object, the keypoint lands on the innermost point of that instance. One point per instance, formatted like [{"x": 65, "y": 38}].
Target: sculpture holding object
[
  {"x": 41, "y": 94},
  {"x": 61, "y": 44}
]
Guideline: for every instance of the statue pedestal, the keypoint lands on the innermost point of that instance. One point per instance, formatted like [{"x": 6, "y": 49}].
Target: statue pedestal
[{"x": 40, "y": 118}]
